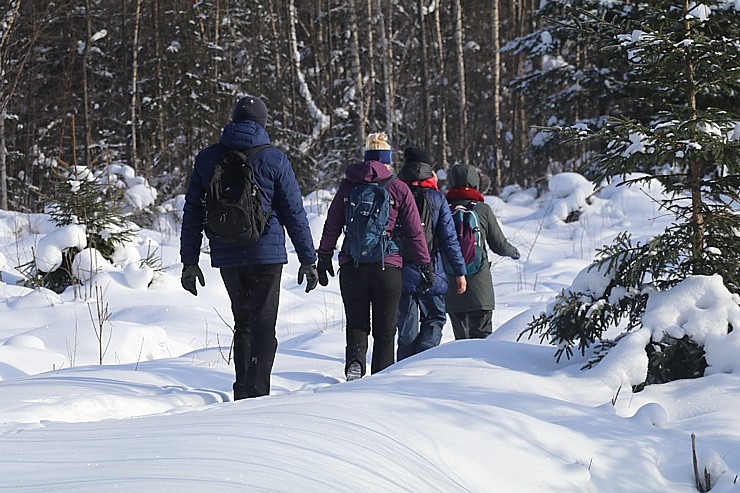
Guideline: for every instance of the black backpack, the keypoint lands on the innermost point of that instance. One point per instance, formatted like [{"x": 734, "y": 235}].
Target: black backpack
[
  {"x": 233, "y": 201},
  {"x": 425, "y": 213}
]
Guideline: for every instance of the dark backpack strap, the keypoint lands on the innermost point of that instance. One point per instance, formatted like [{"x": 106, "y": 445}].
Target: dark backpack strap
[
  {"x": 248, "y": 153},
  {"x": 386, "y": 181}
]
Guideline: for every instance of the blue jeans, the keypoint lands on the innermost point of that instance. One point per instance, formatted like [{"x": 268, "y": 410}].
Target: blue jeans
[{"x": 421, "y": 318}]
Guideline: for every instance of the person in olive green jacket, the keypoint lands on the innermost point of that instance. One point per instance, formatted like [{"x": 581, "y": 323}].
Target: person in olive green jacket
[{"x": 471, "y": 313}]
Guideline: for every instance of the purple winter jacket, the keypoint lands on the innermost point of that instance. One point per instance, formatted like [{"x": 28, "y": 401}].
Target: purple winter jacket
[{"x": 403, "y": 209}]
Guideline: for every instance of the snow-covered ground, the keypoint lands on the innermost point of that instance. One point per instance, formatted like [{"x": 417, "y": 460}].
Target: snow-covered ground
[{"x": 495, "y": 415}]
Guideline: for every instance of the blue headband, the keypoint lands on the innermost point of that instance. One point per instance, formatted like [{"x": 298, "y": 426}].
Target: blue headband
[{"x": 382, "y": 155}]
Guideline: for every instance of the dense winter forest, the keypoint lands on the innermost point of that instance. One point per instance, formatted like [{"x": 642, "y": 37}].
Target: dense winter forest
[{"x": 146, "y": 84}]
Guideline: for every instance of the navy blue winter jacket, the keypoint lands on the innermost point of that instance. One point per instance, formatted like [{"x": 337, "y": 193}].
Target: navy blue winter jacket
[
  {"x": 276, "y": 180},
  {"x": 445, "y": 239}
]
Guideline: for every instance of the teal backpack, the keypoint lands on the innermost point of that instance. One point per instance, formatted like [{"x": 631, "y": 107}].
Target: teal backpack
[{"x": 366, "y": 221}]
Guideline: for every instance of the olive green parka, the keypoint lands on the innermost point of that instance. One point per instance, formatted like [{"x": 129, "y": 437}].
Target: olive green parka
[{"x": 479, "y": 294}]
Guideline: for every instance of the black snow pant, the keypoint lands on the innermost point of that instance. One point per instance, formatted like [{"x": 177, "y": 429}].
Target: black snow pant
[
  {"x": 370, "y": 290},
  {"x": 254, "y": 291},
  {"x": 477, "y": 324}
]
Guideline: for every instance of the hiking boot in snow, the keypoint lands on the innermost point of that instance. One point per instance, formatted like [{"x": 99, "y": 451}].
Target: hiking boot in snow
[{"x": 354, "y": 371}]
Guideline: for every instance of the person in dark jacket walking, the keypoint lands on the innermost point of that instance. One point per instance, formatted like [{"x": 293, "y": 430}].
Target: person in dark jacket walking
[
  {"x": 250, "y": 272},
  {"x": 421, "y": 316},
  {"x": 372, "y": 287},
  {"x": 471, "y": 313}
]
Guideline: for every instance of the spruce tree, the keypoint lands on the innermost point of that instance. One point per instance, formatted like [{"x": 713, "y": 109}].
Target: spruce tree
[
  {"x": 567, "y": 76},
  {"x": 84, "y": 197},
  {"x": 684, "y": 70}
]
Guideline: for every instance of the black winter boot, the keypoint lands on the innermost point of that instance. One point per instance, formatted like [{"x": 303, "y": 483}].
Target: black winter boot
[{"x": 354, "y": 371}]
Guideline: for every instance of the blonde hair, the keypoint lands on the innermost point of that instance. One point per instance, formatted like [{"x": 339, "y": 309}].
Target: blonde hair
[{"x": 377, "y": 141}]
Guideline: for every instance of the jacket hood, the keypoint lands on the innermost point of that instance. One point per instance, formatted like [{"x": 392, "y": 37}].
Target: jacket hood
[
  {"x": 367, "y": 171},
  {"x": 244, "y": 135},
  {"x": 415, "y": 171},
  {"x": 464, "y": 175}
]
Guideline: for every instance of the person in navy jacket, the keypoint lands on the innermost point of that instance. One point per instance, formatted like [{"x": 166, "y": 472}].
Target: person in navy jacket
[
  {"x": 373, "y": 285},
  {"x": 421, "y": 315},
  {"x": 250, "y": 272}
]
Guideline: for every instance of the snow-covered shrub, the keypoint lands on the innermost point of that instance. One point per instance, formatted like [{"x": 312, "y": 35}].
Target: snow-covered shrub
[{"x": 88, "y": 212}]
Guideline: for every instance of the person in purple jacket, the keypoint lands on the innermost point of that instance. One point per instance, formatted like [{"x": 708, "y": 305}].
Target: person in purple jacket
[
  {"x": 372, "y": 287},
  {"x": 251, "y": 272}
]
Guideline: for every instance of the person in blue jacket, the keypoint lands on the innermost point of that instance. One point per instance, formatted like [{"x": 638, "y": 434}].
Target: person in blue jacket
[
  {"x": 250, "y": 272},
  {"x": 421, "y": 316}
]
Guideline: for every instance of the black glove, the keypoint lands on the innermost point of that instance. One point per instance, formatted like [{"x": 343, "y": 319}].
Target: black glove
[
  {"x": 427, "y": 278},
  {"x": 189, "y": 274},
  {"x": 312, "y": 277},
  {"x": 516, "y": 255},
  {"x": 325, "y": 267}
]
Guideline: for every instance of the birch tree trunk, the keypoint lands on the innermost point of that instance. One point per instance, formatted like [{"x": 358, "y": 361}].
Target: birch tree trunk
[
  {"x": 386, "y": 58},
  {"x": 5, "y": 94},
  {"x": 160, "y": 132},
  {"x": 357, "y": 71},
  {"x": 442, "y": 102},
  {"x": 322, "y": 120},
  {"x": 369, "y": 88},
  {"x": 521, "y": 125},
  {"x": 425, "y": 102},
  {"x": 272, "y": 17},
  {"x": 86, "y": 123},
  {"x": 497, "y": 122},
  {"x": 134, "y": 84},
  {"x": 217, "y": 39},
  {"x": 460, "y": 56},
  {"x": 3, "y": 163}
]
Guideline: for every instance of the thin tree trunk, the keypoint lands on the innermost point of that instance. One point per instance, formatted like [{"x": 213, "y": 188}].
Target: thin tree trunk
[
  {"x": 86, "y": 120},
  {"x": 387, "y": 60},
  {"x": 160, "y": 132},
  {"x": 217, "y": 39},
  {"x": 357, "y": 71},
  {"x": 695, "y": 173},
  {"x": 3, "y": 163},
  {"x": 322, "y": 120},
  {"x": 442, "y": 105},
  {"x": 272, "y": 14},
  {"x": 329, "y": 44},
  {"x": 497, "y": 123},
  {"x": 459, "y": 41},
  {"x": 134, "y": 84},
  {"x": 425, "y": 102},
  {"x": 5, "y": 95},
  {"x": 370, "y": 87},
  {"x": 519, "y": 123}
]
